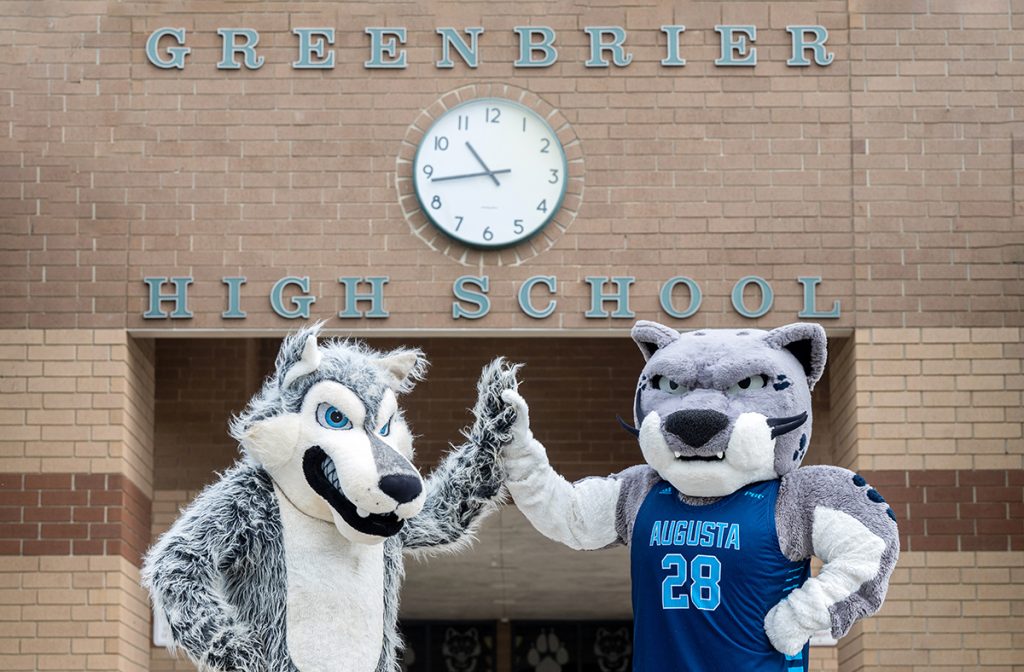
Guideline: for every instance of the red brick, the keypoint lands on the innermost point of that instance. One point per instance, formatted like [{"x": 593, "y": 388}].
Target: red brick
[
  {"x": 104, "y": 531},
  {"x": 46, "y": 547},
  {"x": 999, "y": 527},
  {"x": 982, "y": 477},
  {"x": 940, "y": 526},
  {"x": 47, "y": 481},
  {"x": 19, "y": 531},
  {"x": 886, "y": 477},
  {"x": 997, "y": 494},
  {"x": 11, "y": 481},
  {"x": 66, "y": 498},
  {"x": 87, "y": 547},
  {"x": 48, "y": 514},
  {"x": 932, "y": 477},
  {"x": 949, "y": 494},
  {"x": 984, "y": 510},
  {"x": 90, "y": 481},
  {"x": 993, "y": 543},
  {"x": 18, "y": 498},
  {"x": 943, "y": 543},
  {"x": 933, "y": 510},
  {"x": 64, "y": 531},
  {"x": 84, "y": 514}
]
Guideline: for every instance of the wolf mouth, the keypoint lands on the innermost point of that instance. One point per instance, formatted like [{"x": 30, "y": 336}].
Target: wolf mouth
[{"x": 321, "y": 474}]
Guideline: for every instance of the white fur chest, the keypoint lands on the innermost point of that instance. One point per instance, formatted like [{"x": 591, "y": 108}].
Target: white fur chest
[{"x": 335, "y": 616}]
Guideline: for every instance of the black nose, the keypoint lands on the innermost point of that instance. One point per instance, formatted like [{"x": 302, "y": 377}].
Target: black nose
[
  {"x": 401, "y": 488},
  {"x": 696, "y": 428}
]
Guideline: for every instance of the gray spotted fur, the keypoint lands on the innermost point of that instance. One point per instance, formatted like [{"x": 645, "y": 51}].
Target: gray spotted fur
[
  {"x": 807, "y": 488},
  {"x": 219, "y": 574}
]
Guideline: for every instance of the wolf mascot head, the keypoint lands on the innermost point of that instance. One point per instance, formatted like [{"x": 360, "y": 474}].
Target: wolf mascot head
[{"x": 327, "y": 428}]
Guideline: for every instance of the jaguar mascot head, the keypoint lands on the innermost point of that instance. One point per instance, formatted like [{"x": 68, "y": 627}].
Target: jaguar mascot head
[{"x": 717, "y": 410}]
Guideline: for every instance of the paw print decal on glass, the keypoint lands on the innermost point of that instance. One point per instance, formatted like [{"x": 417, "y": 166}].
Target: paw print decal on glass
[{"x": 548, "y": 653}]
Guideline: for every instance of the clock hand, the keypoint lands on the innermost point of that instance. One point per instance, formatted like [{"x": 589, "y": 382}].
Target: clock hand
[
  {"x": 459, "y": 177},
  {"x": 484, "y": 165}
]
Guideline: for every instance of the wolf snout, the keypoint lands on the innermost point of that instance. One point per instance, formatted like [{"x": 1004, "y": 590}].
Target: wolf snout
[
  {"x": 696, "y": 427},
  {"x": 401, "y": 487}
]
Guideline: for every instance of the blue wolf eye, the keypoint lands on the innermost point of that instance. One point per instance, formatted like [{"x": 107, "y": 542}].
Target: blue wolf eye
[
  {"x": 330, "y": 417},
  {"x": 386, "y": 429}
]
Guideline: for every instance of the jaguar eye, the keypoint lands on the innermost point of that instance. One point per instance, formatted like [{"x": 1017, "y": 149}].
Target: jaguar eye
[
  {"x": 747, "y": 384},
  {"x": 332, "y": 418},
  {"x": 666, "y": 384},
  {"x": 386, "y": 429}
]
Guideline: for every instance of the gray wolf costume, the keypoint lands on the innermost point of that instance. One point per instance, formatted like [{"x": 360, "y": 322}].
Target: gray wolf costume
[
  {"x": 293, "y": 559},
  {"x": 718, "y": 411}
]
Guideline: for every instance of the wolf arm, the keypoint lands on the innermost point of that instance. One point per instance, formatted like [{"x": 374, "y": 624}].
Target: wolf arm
[
  {"x": 834, "y": 514},
  {"x": 467, "y": 484},
  {"x": 589, "y": 514},
  {"x": 184, "y": 568}
]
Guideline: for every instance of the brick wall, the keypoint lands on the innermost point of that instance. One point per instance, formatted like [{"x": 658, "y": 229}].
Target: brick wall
[
  {"x": 75, "y": 489},
  {"x": 890, "y": 173}
]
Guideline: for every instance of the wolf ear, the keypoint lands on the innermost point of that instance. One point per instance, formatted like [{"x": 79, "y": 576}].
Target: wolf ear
[
  {"x": 806, "y": 342},
  {"x": 299, "y": 355},
  {"x": 651, "y": 337},
  {"x": 404, "y": 368}
]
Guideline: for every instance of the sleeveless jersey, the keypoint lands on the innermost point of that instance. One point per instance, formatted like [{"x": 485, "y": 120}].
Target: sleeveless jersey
[{"x": 704, "y": 578}]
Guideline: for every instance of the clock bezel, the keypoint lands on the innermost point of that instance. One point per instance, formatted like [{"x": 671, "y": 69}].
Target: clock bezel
[{"x": 525, "y": 236}]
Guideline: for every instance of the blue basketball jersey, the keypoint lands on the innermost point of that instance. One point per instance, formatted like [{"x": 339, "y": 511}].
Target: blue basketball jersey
[{"x": 704, "y": 578}]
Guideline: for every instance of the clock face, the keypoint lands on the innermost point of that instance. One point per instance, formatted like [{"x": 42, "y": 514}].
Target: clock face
[{"x": 490, "y": 173}]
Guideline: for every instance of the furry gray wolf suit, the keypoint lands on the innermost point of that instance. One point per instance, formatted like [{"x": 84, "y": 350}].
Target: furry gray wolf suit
[
  {"x": 293, "y": 559},
  {"x": 721, "y": 520}
]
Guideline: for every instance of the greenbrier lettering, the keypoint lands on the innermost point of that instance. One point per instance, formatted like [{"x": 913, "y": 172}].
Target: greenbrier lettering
[{"x": 166, "y": 48}]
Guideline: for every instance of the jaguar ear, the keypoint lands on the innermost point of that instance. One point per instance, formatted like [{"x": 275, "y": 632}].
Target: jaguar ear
[
  {"x": 651, "y": 337},
  {"x": 805, "y": 341}
]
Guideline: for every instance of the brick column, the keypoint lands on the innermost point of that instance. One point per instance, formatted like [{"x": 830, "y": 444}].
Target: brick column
[
  {"x": 932, "y": 417},
  {"x": 75, "y": 490}
]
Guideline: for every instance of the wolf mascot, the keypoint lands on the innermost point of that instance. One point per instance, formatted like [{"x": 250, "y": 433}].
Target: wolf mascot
[
  {"x": 721, "y": 522},
  {"x": 293, "y": 559}
]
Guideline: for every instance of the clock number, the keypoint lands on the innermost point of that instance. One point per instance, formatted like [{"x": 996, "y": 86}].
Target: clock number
[
  {"x": 543, "y": 205},
  {"x": 488, "y": 234},
  {"x": 524, "y": 124},
  {"x": 428, "y": 170},
  {"x": 441, "y": 142},
  {"x": 463, "y": 122},
  {"x": 492, "y": 119},
  {"x": 547, "y": 144},
  {"x": 435, "y": 202},
  {"x": 554, "y": 176},
  {"x": 457, "y": 225},
  {"x": 518, "y": 226}
]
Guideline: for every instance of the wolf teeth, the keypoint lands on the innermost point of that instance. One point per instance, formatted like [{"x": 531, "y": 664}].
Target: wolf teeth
[
  {"x": 720, "y": 456},
  {"x": 331, "y": 472},
  {"x": 679, "y": 454},
  {"x": 362, "y": 514}
]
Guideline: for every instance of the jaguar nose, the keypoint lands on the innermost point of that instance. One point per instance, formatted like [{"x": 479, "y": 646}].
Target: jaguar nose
[
  {"x": 401, "y": 487},
  {"x": 696, "y": 428}
]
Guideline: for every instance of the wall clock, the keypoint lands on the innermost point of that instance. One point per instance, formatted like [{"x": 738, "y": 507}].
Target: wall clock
[{"x": 490, "y": 173}]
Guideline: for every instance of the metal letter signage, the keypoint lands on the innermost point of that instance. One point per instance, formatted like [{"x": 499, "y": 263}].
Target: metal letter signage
[{"x": 608, "y": 46}]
